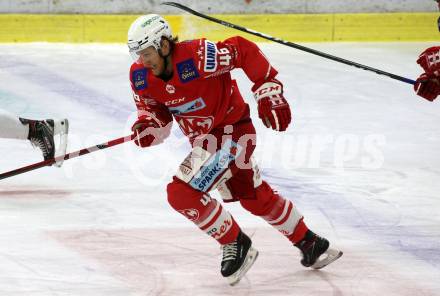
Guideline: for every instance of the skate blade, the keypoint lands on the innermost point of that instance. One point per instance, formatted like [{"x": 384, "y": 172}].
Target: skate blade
[
  {"x": 61, "y": 128},
  {"x": 330, "y": 256},
  {"x": 251, "y": 256}
]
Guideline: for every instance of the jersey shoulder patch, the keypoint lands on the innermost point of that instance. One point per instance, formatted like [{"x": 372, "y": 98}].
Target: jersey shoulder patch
[
  {"x": 139, "y": 79},
  {"x": 187, "y": 71},
  {"x": 210, "y": 56}
]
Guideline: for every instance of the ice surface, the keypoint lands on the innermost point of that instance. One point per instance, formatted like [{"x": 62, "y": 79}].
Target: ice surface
[{"x": 361, "y": 161}]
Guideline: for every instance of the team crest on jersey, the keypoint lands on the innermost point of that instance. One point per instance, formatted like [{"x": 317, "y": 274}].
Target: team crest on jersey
[
  {"x": 193, "y": 126},
  {"x": 139, "y": 78},
  {"x": 192, "y": 106},
  {"x": 187, "y": 71},
  {"x": 210, "y": 56},
  {"x": 170, "y": 89}
]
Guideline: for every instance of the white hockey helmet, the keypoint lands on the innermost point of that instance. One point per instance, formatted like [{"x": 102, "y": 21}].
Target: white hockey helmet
[{"x": 146, "y": 31}]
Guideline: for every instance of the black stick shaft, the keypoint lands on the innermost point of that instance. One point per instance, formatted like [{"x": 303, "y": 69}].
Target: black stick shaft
[
  {"x": 291, "y": 44},
  {"x": 51, "y": 161}
]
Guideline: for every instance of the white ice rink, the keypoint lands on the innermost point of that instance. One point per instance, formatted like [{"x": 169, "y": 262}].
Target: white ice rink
[{"x": 361, "y": 161}]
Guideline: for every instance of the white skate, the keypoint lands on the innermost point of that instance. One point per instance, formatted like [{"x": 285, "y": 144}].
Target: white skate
[{"x": 60, "y": 129}]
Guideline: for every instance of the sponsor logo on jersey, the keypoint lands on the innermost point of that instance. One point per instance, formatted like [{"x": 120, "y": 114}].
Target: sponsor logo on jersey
[
  {"x": 192, "y": 106},
  {"x": 192, "y": 164},
  {"x": 187, "y": 71},
  {"x": 186, "y": 168},
  {"x": 139, "y": 78},
  {"x": 216, "y": 166},
  {"x": 210, "y": 56},
  {"x": 193, "y": 126},
  {"x": 218, "y": 232}
]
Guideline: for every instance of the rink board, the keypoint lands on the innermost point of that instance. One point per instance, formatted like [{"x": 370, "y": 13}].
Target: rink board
[{"x": 293, "y": 27}]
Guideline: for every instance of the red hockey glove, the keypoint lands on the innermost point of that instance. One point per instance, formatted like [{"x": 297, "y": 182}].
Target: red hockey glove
[
  {"x": 427, "y": 86},
  {"x": 152, "y": 129},
  {"x": 273, "y": 108},
  {"x": 430, "y": 60}
]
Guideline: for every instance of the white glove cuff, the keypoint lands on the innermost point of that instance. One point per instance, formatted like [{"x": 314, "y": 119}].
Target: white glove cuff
[{"x": 268, "y": 89}]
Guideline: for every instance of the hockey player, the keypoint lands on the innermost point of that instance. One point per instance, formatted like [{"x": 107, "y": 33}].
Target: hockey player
[
  {"x": 428, "y": 83},
  {"x": 191, "y": 82},
  {"x": 438, "y": 20},
  {"x": 39, "y": 132}
]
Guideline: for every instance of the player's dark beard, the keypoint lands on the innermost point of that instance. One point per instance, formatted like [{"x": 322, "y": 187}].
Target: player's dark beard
[{"x": 165, "y": 76}]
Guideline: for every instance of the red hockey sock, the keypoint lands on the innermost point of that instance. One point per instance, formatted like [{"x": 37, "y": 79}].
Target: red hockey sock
[
  {"x": 299, "y": 232},
  {"x": 278, "y": 212},
  {"x": 207, "y": 213}
]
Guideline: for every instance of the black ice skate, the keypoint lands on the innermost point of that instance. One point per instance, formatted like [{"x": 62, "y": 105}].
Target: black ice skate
[
  {"x": 316, "y": 252},
  {"x": 238, "y": 258},
  {"x": 41, "y": 135}
]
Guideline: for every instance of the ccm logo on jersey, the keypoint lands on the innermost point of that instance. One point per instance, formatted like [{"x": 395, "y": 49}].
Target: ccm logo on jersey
[
  {"x": 187, "y": 71},
  {"x": 210, "y": 56},
  {"x": 139, "y": 78},
  {"x": 175, "y": 101}
]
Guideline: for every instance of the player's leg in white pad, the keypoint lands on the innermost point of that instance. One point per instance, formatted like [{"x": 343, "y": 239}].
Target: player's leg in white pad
[
  {"x": 11, "y": 127},
  {"x": 200, "y": 172}
]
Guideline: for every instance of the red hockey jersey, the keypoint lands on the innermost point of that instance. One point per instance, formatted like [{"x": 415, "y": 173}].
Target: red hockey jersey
[{"x": 201, "y": 94}]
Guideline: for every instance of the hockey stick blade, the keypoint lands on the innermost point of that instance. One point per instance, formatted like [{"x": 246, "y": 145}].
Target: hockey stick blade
[
  {"x": 71, "y": 155},
  {"x": 290, "y": 44}
]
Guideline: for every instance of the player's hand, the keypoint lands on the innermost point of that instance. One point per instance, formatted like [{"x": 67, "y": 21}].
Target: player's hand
[
  {"x": 151, "y": 130},
  {"x": 427, "y": 86},
  {"x": 430, "y": 60},
  {"x": 273, "y": 108}
]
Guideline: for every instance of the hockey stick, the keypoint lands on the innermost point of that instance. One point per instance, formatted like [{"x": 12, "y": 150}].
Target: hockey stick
[
  {"x": 290, "y": 44},
  {"x": 51, "y": 161}
]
